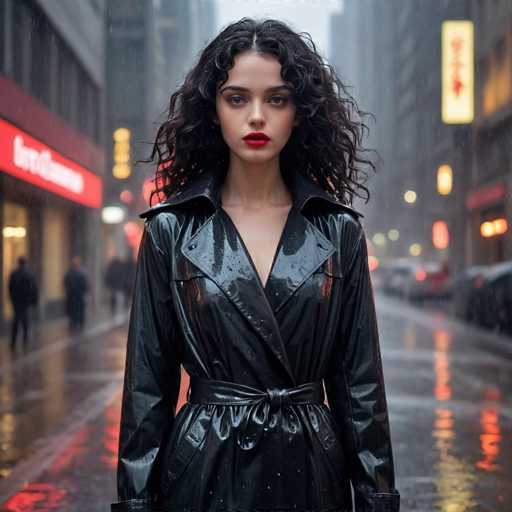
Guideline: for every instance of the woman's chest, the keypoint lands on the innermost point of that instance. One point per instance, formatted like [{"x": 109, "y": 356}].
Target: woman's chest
[
  {"x": 221, "y": 259},
  {"x": 222, "y": 300},
  {"x": 260, "y": 235}
]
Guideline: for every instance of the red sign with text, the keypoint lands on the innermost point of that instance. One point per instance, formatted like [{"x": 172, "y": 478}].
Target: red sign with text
[{"x": 26, "y": 158}]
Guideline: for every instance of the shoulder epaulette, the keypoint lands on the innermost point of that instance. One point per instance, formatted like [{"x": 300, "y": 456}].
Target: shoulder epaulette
[
  {"x": 154, "y": 209},
  {"x": 353, "y": 211}
]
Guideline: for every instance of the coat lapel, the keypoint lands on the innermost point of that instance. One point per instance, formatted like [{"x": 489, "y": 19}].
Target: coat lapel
[
  {"x": 302, "y": 251},
  {"x": 218, "y": 251}
]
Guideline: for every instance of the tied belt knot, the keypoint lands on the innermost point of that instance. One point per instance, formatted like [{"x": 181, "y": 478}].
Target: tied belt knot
[
  {"x": 254, "y": 423},
  {"x": 278, "y": 397}
]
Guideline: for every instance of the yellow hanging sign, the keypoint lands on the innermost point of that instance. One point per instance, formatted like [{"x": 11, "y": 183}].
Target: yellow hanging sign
[{"x": 457, "y": 72}]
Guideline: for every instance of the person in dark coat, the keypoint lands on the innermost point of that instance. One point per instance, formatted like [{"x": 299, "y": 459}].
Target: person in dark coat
[
  {"x": 129, "y": 268},
  {"x": 23, "y": 292},
  {"x": 76, "y": 285},
  {"x": 253, "y": 275},
  {"x": 115, "y": 281}
]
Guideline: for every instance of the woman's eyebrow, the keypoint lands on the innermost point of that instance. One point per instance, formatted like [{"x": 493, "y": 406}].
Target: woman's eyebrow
[{"x": 244, "y": 89}]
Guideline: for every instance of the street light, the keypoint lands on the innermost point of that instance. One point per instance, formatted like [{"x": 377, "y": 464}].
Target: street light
[
  {"x": 379, "y": 239},
  {"x": 410, "y": 196},
  {"x": 440, "y": 235},
  {"x": 393, "y": 234},
  {"x": 493, "y": 227},
  {"x": 444, "y": 180},
  {"x": 112, "y": 215},
  {"x": 415, "y": 249}
]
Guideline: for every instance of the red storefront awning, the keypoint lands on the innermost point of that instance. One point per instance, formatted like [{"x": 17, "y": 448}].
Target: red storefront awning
[{"x": 28, "y": 159}]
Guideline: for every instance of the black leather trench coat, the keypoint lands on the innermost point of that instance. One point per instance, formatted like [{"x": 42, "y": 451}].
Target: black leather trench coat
[{"x": 255, "y": 433}]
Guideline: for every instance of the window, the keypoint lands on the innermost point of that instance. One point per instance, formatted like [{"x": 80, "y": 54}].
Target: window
[
  {"x": 40, "y": 58},
  {"x": 19, "y": 46},
  {"x": 2, "y": 36},
  {"x": 44, "y": 65},
  {"x": 65, "y": 79}
]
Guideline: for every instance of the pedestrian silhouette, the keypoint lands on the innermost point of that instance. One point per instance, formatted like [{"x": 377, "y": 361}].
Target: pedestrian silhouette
[
  {"x": 23, "y": 293},
  {"x": 129, "y": 269},
  {"x": 115, "y": 281},
  {"x": 76, "y": 285}
]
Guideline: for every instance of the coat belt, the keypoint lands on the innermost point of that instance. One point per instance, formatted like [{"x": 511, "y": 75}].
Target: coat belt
[
  {"x": 263, "y": 404},
  {"x": 206, "y": 391}
]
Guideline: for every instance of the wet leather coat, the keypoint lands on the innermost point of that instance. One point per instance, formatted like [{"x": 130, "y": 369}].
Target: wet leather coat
[{"x": 258, "y": 435}]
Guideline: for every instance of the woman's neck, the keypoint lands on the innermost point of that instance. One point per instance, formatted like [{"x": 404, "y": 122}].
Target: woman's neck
[{"x": 255, "y": 187}]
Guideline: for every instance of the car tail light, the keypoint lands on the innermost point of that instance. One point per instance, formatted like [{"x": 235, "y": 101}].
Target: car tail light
[
  {"x": 420, "y": 275},
  {"x": 479, "y": 281}
]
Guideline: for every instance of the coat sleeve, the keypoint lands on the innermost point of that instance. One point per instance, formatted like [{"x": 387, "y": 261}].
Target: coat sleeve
[
  {"x": 355, "y": 386},
  {"x": 152, "y": 375}
]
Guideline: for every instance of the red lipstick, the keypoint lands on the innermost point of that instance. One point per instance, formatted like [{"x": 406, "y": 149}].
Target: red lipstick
[{"x": 256, "y": 139}]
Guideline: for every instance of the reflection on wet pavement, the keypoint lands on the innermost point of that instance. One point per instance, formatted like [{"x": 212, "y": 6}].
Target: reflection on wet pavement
[
  {"x": 453, "y": 477},
  {"x": 434, "y": 369},
  {"x": 36, "y": 496}
]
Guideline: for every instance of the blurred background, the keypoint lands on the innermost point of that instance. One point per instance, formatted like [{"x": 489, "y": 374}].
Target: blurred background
[{"x": 84, "y": 85}]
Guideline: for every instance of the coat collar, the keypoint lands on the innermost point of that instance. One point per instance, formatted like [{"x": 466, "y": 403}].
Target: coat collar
[{"x": 208, "y": 185}]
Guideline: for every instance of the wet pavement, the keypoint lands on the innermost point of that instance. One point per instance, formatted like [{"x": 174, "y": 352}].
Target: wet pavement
[
  {"x": 448, "y": 391},
  {"x": 447, "y": 387}
]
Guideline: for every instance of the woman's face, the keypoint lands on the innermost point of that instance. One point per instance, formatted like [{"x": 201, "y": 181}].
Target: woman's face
[{"x": 255, "y": 99}]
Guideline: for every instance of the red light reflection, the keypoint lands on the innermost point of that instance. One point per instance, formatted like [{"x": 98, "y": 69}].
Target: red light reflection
[
  {"x": 442, "y": 341},
  {"x": 110, "y": 441},
  {"x": 75, "y": 450},
  {"x": 490, "y": 437},
  {"x": 42, "y": 497}
]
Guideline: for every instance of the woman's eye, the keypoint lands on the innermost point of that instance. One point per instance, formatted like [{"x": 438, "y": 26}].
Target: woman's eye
[
  {"x": 236, "y": 98},
  {"x": 276, "y": 100},
  {"x": 281, "y": 99}
]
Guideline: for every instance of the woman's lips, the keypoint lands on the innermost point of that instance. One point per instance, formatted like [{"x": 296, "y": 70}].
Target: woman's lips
[{"x": 256, "y": 143}]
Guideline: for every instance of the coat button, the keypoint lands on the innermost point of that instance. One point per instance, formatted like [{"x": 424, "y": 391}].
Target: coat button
[{"x": 192, "y": 246}]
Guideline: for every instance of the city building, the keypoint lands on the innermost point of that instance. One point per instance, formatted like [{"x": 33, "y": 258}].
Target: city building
[
  {"x": 52, "y": 89},
  {"x": 391, "y": 53},
  {"x": 150, "y": 46},
  {"x": 488, "y": 201}
]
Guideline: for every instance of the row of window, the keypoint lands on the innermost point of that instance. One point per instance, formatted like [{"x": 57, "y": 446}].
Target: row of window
[
  {"x": 34, "y": 55},
  {"x": 496, "y": 69}
]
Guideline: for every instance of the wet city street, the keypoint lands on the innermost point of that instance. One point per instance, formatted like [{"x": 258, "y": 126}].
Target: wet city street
[{"x": 447, "y": 388}]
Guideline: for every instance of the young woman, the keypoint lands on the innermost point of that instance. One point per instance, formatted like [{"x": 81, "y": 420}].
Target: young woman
[{"x": 253, "y": 275}]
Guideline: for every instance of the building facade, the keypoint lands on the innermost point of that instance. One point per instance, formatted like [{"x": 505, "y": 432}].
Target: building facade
[
  {"x": 489, "y": 191},
  {"x": 150, "y": 46},
  {"x": 52, "y": 86},
  {"x": 391, "y": 52}
]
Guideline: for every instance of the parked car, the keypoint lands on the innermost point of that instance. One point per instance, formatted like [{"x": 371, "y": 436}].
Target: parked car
[
  {"x": 427, "y": 280},
  {"x": 464, "y": 284},
  {"x": 490, "y": 299},
  {"x": 393, "y": 275},
  {"x": 413, "y": 279}
]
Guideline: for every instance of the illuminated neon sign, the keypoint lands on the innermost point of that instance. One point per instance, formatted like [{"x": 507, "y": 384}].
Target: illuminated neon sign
[{"x": 29, "y": 160}]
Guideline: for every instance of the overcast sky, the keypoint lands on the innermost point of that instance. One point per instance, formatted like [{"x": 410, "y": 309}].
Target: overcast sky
[{"x": 302, "y": 15}]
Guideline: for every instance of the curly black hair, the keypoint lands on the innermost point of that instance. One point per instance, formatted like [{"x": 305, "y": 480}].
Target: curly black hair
[{"x": 326, "y": 144}]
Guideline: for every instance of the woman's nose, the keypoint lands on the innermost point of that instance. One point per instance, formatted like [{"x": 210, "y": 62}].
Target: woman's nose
[{"x": 256, "y": 114}]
